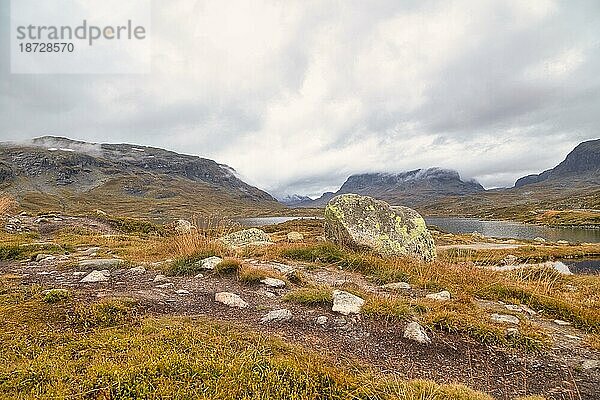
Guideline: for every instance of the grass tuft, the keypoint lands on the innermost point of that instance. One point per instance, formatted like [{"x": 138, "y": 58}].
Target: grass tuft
[{"x": 317, "y": 296}]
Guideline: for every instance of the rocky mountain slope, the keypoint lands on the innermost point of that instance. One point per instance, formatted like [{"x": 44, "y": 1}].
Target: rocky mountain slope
[
  {"x": 59, "y": 173},
  {"x": 581, "y": 164},
  {"x": 409, "y": 188}
]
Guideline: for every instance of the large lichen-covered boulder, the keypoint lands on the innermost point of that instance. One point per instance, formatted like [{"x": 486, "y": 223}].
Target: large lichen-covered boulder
[{"x": 364, "y": 222}]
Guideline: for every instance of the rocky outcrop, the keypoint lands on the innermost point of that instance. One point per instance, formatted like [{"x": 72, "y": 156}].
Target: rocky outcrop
[{"x": 363, "y": 222}]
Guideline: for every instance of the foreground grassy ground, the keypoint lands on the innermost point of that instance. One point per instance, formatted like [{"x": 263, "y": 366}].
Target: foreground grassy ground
[
  {"x": 52, "y": 346},
  {"x": 57, "y": 349}
]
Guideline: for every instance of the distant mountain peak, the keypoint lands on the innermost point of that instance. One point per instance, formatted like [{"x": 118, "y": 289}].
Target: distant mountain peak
[{"x": 582, "y": 163}]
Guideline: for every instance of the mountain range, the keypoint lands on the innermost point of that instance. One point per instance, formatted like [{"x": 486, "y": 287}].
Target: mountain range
[{"x": 59, "y": 174}]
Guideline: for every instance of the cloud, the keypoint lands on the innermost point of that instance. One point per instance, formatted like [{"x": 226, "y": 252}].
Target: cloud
[{"x": 298, "y": 95}]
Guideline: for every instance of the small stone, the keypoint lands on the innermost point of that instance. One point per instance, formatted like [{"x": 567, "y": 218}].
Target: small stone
[
  {"x": 43, "y": 257},
  {"x": 539, "y": 239},
  {"x": 160, "y": 278},
  {"x": 277, "y": 316},
  {"x": 137, "y": 270},
  {"x": 504, "y": 319},
  {"x": 513, "y": 307},
  {"x": 512, "y": 332},
  {"x": 182, "y": 292},
  {"x": 198, "y": 276},
  {"x": 209, "y": 263},
  {"x": 321, "y": 320},
  {"x": 590, "y": 365},
  {"x": 561, "y": 322},
  {"x": 416, "y": 332},
  {"x": 266, "y": 293},
  {"x": 166, "y": 285},
  {"x": 96, "y": 276},
  {"x": 573, "y": 337},
  {"x": 91, "y": 250},
  {"x": 273, "y": 282},
  {"x": 440, "y": 296},
  {"x": 230, "y": 299},
  {"x": 284, "y": 269},
  {"x": 346, "y": 303},
  {"x": 101, "y": 263},
  {"x": 295, "y": 236},
  {"x": 397, "y": 286},
  {"x": 563, "y": 242},
  {"x": 79, "y": 273}
]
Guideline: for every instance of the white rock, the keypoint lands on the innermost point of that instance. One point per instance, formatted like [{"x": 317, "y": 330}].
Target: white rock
[
  {"x": 561, "y": 322},
  {"x": 512, "y": 332},
  {"x": 440, "y": 296},
  {"x": 590, "y": 364},
  {"x": 295, "y": 236},
  {"x": 183, "y": 226},
  {"x": 79, "y": 273},
  {"x": 137, "y": 270},
  {"x": 539, "y": 239},
  {"x": 346, "y": 303},
  {"x": 561, "y": 268},
  {"x": 277, "y": 316},
  {"x": 182, "y": 292},
  {"x": 101, "y": 263},
  {"x": 513, "y": 307},
  {"x": 321, "y": 320},
  {"x": 266, "y": 293},
  {"x": 91, "y": 250},
  {"x": 397, "y": 286},
  {"x": 160, "y": 278},
  {"x": 230, "y": 299},
  {"x": 284, "y": 269},
  {"x": 209, "y": 263},
  {"x": 273, "y": 282},
  {"x": 96, "y": 276},
  {"x": 44, "y": 257},
  {"x": 416, "y": 332},
  {"x": 166, "y": 285},
  {"x": 198, "y": 276},
  {"x": 504, "y": 319}
]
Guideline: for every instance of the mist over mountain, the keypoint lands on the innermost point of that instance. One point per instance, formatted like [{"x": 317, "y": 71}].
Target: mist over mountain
[{"x": 53, "y": 172}]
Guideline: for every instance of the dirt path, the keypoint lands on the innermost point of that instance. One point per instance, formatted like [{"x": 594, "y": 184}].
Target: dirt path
[{"x": 555, "y": 374}]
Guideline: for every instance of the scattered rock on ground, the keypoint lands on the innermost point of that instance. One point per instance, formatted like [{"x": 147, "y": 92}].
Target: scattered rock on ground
[
  {"x": 160, "y": 278},
  {"x": 284, "y": 269},
  {"x": 561, "y": 322},
  {"x": 277, "y": 316},
  {"x": 295, "y": 236},
  {"x": 440, "y": 296},
  {"x": 505, "y": 319},
  {"x": 101, "y": 263},
  {"x": 91, "y": 251},
  {"x": 230, "y": 299},
  {"x": 273, "y": 282},
  {"x": 362, "y": 221},
  {"x": 209, "y": 263},
  {"x": 321, "y": 320},
  {"x": 539, "y": 239},
  {"x": 166, "y": 285},
  {"x": 590, "y": 365},
  {"x": 137, "y": 270},
  {"x": 183, "y": 226},
  {"x": 346, "y": 303},
  {"x": 416, "y": 332},
  {"x": 247, "y": 237},
  {"x": 182, "y": 292},
  {"x": 396, "y": 286},
  {"x": 96, "y": 276}
]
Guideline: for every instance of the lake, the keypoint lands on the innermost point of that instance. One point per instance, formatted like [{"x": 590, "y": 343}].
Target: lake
[
  {"x": 514, "y": 230},
  {"x": 496, "y": 229}
]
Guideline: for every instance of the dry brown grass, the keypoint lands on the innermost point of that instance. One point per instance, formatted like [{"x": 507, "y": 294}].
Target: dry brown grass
[{"x": 7, "y": 205}]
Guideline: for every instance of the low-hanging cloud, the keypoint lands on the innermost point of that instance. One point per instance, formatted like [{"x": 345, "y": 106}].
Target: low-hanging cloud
[{"x": 298, "y": 95}]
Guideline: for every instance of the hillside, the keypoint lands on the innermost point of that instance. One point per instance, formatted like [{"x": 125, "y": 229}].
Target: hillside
[
  {"x": 51, "y": 173},
  {"x": 581, "y": 164}
]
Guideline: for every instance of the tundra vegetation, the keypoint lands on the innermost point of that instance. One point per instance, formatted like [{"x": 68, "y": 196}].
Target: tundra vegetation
[{"x": 91, "y": 343}]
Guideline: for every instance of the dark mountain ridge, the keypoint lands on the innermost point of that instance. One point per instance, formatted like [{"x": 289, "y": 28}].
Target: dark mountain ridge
[{"x": 87, "y": 172}]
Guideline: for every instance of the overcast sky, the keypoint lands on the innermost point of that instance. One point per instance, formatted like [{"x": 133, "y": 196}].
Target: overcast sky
[{"x": 297, "y": 95}]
